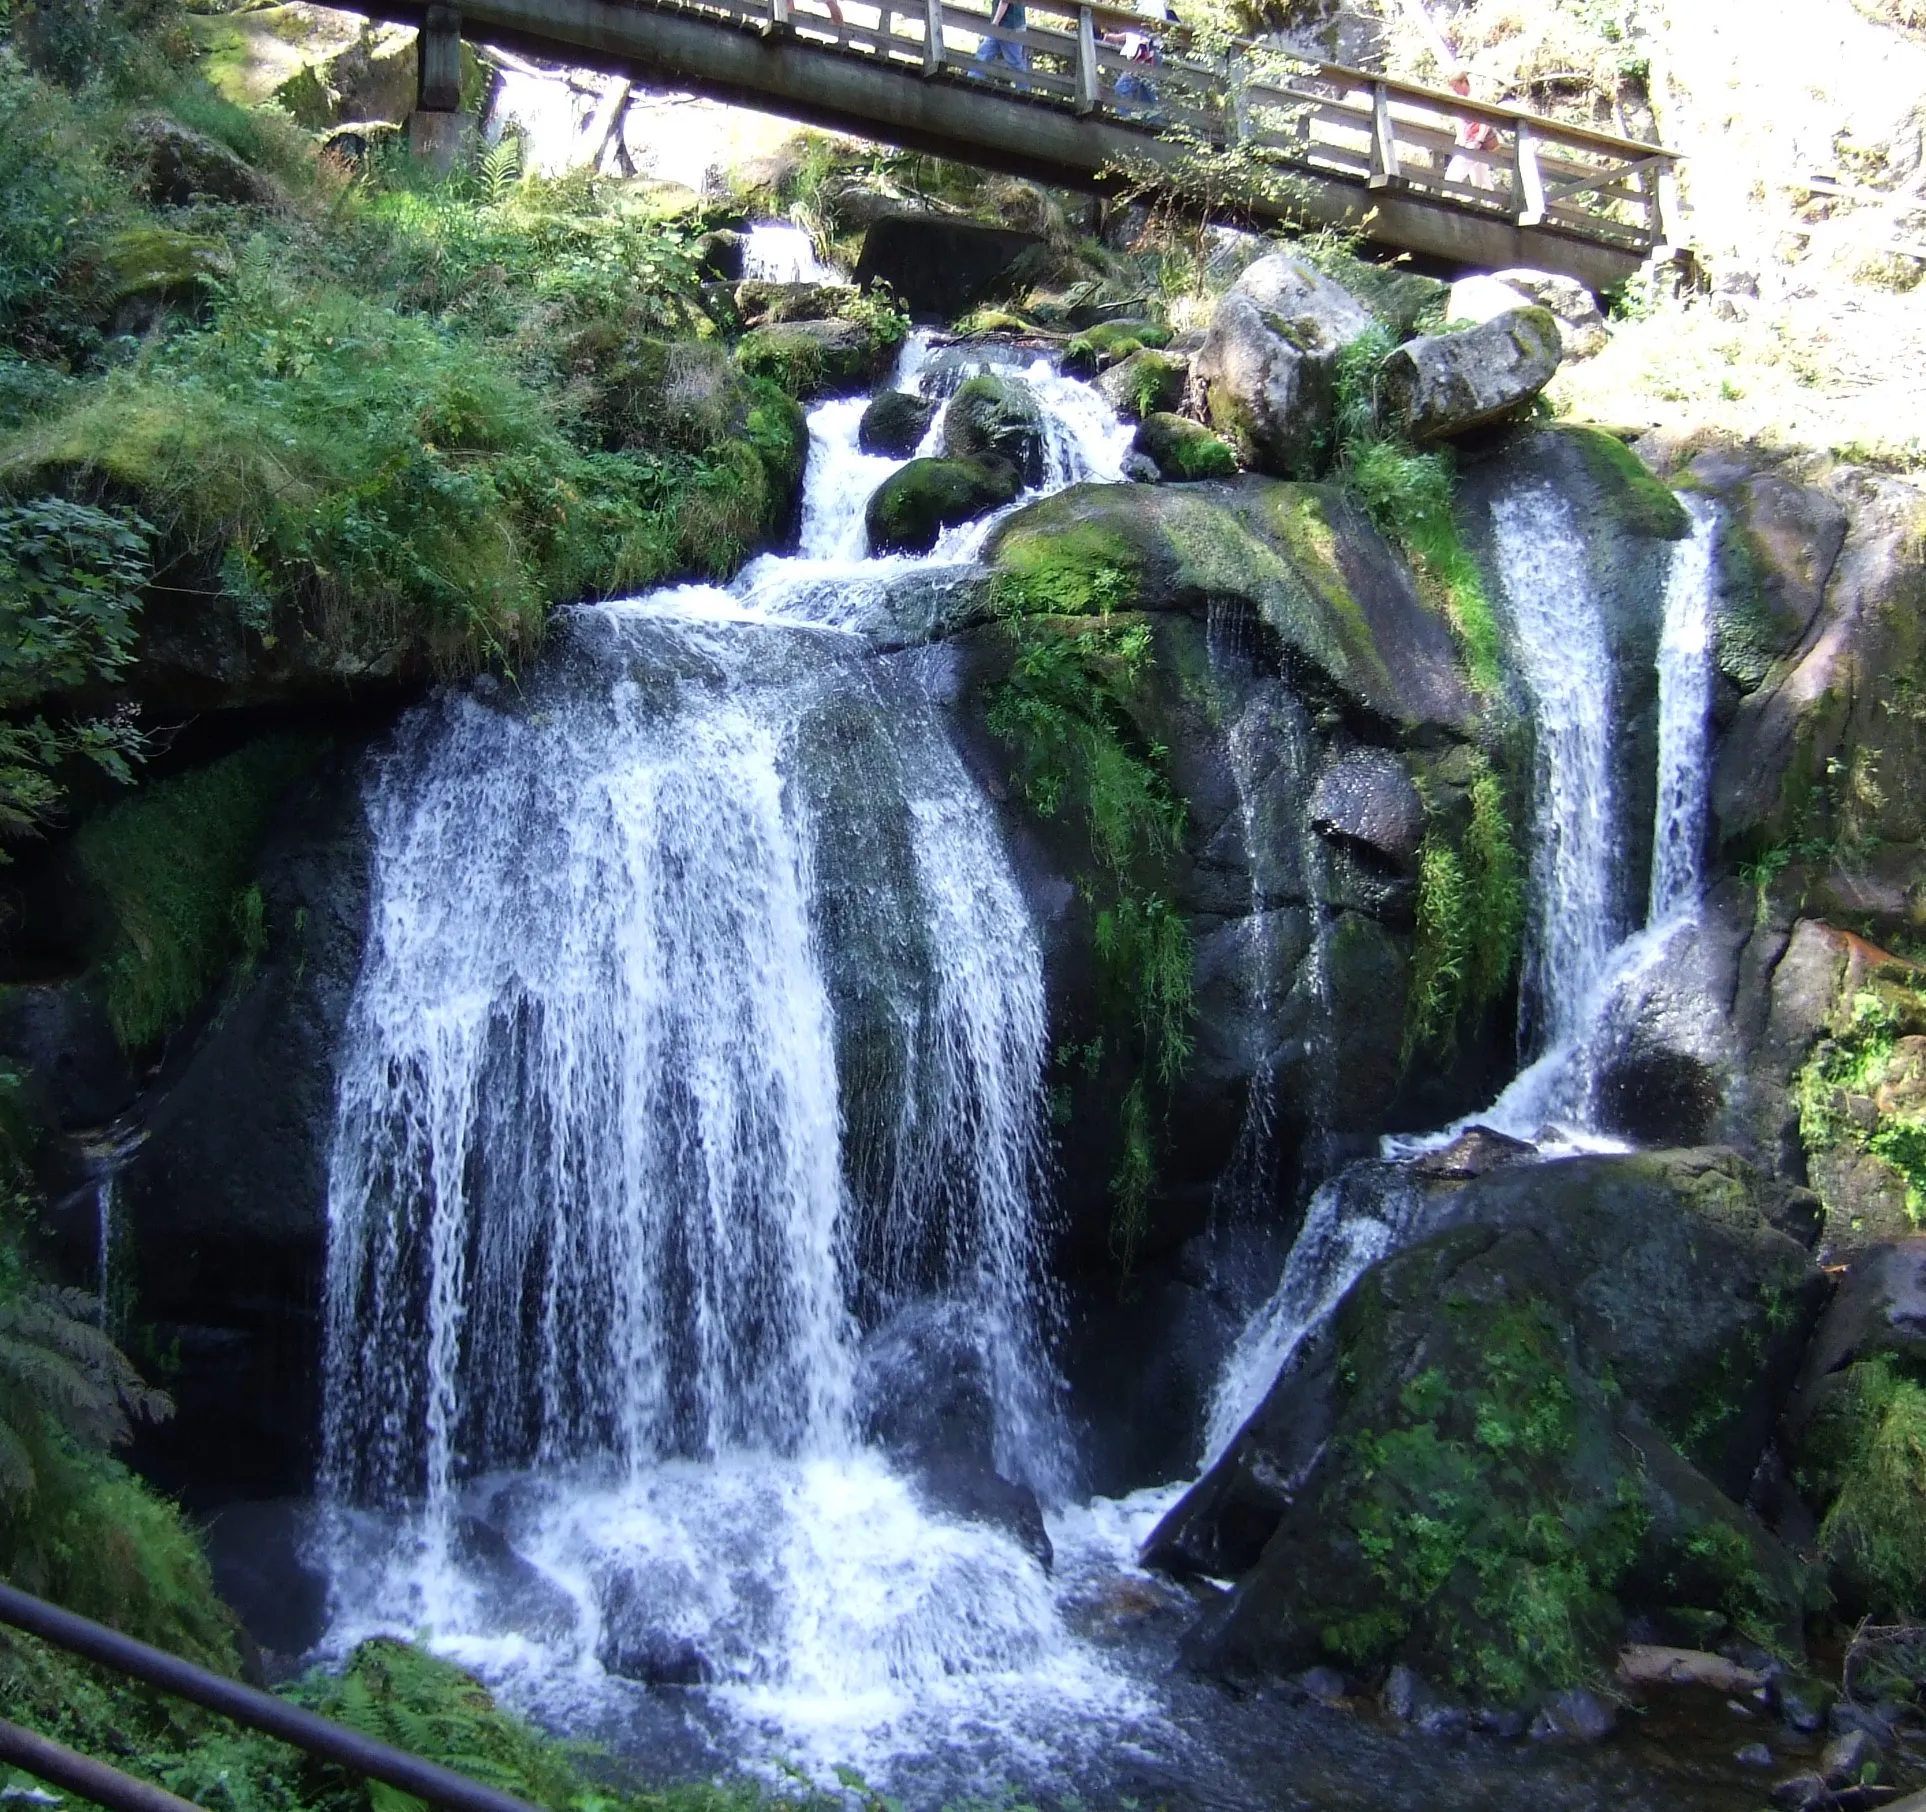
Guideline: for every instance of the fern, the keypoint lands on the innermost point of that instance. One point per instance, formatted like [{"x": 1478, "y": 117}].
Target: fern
[
  {"x": 57, "y": 1372},
  {"x": 501, "y": 170}
]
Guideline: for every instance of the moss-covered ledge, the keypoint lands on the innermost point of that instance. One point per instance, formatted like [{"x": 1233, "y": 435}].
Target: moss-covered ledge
[{"x": 1305, "y": 558}]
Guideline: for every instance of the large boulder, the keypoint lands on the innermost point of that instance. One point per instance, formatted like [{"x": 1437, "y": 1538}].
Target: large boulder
[
  {"x": 895, "y": 423},
  {"x": 912, "y": 507},
  {"x": 174, "y": 166},
  {"x": 995, "y": 418},
  {"x": 938, "y": 266},
  {"x": 1514, "y": 1433},
  {"x": 810, "y": 359},
  {"x": 761, "y": 303},
  {"x": 1581, "y": 323},
  {"x": 1837, "y": 691},
  {"x": 1443, "y": 384},
  {"x": 1268, "y": 366}
]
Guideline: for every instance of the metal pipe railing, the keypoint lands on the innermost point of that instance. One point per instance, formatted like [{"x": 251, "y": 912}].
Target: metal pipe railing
[
  {"x": 247, "y": 1705},
  {"x": 60, "y": 1766}
]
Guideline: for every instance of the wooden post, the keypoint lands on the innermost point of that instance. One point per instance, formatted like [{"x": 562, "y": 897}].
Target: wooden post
[
  {"x": 932, "y": 36},
  {"x": 1529, "y": 194},
  {"x": 438, "y": 61},
  {"x": 1384, "y": 142},
  {"x": 885, "y": 28},
  {"x": 1664, "y": 207},
  {"x": 1089, "y": 77},
  {"x": 1240, "y": 101},
  {"x": 779, "y": 17}
]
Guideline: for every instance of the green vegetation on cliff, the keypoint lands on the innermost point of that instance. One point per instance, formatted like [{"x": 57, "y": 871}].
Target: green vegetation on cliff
[
  {"x": 173, "y": 866},
  {"x": 1409, "y": 496},
  {"x": 1470, "y": 916},
  {"x": 1864, "y": 1087},
  {"x": 1065, "y": 712}
]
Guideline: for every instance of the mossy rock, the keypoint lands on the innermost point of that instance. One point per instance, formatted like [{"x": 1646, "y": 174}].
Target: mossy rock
[
  {"x": 1184, "y": 450},
  {"x": 1146, "y": 383},
  {"x": 1303, "y": 557},
  {"x": 1109, "y": 343},
  {"x": 912, "y": 507},
  {"x": 893, "y": 425},
  {"x": 1640, "y": 503},
  {"x": 996, "y": 418},
  {"x": 811, "y": 359},
  {"x": 146, "y": 268},
  {"x": 1484, "y": 1446}
]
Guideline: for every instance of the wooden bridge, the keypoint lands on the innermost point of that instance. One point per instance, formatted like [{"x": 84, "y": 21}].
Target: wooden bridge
[{"x": 1420, "y": 169}]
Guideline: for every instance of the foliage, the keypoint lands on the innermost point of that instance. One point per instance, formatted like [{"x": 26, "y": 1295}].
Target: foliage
[
  {"x": 70, "y": 585},
  {"x": 172, "y": 868},
  {"x": 1065, "y": 712},
  {"x": 1468, "y": 1521},
  {"x": 1866, "y": 1461},
  {"x": 1470, "y": 918},
  {"x": 1408, "y": 494},
  {"x": 1859, "y": 1088}
]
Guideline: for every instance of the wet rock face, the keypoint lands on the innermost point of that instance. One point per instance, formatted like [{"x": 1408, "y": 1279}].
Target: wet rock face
[
  {"x": 1444, "y": 384},
  {"x": 1640, "y": 1316},
  {"x": 1268, "y": 367},
  {"x": 1368, "y": 798}
]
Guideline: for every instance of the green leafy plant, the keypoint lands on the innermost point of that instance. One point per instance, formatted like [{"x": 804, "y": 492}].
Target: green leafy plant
[{"x": 1065, "y": 714}]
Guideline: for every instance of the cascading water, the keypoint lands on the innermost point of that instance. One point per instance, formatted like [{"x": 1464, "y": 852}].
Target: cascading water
[
  {"x": 623, "y": 1278},
  {"x": 780, "y": 252},
  {"x": 1578, "y": 964}
]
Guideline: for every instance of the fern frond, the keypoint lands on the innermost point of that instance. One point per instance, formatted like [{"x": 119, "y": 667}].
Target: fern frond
[{"x": 17, "y": 1477}]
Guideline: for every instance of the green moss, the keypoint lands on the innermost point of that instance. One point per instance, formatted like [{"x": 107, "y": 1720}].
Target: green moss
[
  {"x": 1065, "y": 714},
  {"x": 1080, "y": 568},
  {"x": 1470, "y": 918},
  {"x": 1851, "y": 1090},
  {"x": 1185, "y": 450},
  {"x": 1469, "y": 1519},
  {"x": 1642, "y": 503},
  {"x": 172, "y": 866},
  {"x": 1864, "y": 1462},
  {"x": 1408, "y": 494}
]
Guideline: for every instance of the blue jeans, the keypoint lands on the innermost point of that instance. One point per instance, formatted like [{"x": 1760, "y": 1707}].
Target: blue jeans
[{"x": 994, "y": 50}]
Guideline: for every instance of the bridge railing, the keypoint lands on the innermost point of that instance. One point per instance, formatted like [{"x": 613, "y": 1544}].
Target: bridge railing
[{"x": 1323, "y": 118}]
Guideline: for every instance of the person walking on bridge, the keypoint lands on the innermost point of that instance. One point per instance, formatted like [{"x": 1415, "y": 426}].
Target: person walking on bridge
[{"x": 1010, "y": 15}]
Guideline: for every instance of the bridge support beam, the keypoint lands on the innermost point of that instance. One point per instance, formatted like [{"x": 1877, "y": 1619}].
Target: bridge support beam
[
  {"x": 438, "y": 130},
  {"x": 923, "y": 110}
]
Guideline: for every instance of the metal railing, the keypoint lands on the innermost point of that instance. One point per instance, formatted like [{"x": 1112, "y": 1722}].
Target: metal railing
[
  {"x": 1326, "y": 119},
  {"x": 262, "y": 1711}
]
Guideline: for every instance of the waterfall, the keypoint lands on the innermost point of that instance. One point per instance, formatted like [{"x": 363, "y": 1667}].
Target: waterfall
[
  {"x": 1575, "y": 964},
  {"x": 1685, "y": 719},
  {"x": 694, "y": 1074},
  {"x": 1566, "y": 666},
  {"x": 779, "y": 252}
]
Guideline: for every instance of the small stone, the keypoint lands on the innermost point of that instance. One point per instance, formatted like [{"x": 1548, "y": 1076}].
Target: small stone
[
  {"x": 1506, "y": 1723},
  {"x": 1400, "y": 1695},
  {"x": 1324, "y": 1684},
  {"x": 1842, "y": 1758},
  {"x": 1585, "y": 1715},
  {"x": 1800, "y": 1792},
  {"x": 1803, "y": 1704},
  {"x": 1753, "y": 1755},
  {"x": 1738, "y": 1710}
]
